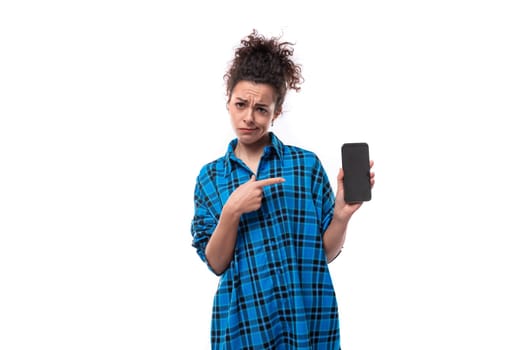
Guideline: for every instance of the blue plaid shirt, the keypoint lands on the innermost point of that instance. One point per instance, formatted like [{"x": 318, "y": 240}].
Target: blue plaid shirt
[{"x": 277, "y": 292}]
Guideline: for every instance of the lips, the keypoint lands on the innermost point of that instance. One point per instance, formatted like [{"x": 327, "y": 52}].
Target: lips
[{"x": 245, "y": 130}]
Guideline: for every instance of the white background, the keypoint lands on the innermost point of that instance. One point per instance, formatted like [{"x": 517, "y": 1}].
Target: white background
[{"x": 109, "y": 109}]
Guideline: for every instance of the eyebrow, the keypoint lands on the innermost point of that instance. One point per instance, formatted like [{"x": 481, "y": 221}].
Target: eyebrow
[{"x": 258, "y": 104}]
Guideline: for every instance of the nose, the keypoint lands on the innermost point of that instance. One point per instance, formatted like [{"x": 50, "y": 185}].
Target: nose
[{"x": 248, "y": 117}]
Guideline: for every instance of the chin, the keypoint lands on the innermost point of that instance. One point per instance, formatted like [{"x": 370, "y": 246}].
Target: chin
[{"x": 251, "y": 139}]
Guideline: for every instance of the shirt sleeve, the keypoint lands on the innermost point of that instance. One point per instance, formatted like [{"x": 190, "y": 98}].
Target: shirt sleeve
[
  {"x": 323, "y": 194},
  {"x": 203, "y": 223}
]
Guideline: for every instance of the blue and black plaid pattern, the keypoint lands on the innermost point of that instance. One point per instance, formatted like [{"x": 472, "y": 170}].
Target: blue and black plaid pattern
[{"x": 277, "y": 292}]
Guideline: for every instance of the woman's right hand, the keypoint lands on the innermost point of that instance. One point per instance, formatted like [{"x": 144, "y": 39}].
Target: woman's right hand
[{"x": 248, "y": 196}]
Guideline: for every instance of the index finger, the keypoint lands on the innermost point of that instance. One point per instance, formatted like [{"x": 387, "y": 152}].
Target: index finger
[{"x": 270, "y": 181}]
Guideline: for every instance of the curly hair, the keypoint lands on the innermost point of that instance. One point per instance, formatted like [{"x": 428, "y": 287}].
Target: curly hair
[{"x": 266, "y": 61}]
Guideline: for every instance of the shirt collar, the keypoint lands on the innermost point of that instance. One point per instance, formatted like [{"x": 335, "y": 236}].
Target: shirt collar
[{"x": 275, "y": 147}]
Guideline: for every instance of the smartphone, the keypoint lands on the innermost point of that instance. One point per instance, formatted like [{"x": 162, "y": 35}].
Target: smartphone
[{"x": 356, "y": 167}]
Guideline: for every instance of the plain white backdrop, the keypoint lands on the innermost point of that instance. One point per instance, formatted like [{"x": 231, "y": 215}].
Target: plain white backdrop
[{"x": 108, "y": 109}]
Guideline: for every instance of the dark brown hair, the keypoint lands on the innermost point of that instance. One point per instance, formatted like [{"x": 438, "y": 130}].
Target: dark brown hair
[{"x": 266, "y": 61}]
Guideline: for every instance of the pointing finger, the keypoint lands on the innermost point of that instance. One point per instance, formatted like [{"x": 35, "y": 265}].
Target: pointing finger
[{"x": 270, "y": 181}]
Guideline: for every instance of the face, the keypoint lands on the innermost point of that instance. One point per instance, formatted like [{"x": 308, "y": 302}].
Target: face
[{"x": 252, "y": 109}]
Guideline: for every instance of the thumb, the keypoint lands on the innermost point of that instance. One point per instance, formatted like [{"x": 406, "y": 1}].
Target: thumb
[
  {"x": 340, "y": 180},
  {"x": 340, "y": 177},
  {"x": 250, "y": 181}
]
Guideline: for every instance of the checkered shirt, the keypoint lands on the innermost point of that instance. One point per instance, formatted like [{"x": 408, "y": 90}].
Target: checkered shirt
[{"x": 277, "y": 292}]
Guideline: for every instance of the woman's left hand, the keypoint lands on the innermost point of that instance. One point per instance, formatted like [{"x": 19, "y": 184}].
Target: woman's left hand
[{"x": 343, "y": 210}]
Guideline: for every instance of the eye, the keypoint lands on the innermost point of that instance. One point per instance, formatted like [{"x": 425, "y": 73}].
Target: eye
[
  {"x": 262, "y": 110},
  {"x": 240, "y": 105}
]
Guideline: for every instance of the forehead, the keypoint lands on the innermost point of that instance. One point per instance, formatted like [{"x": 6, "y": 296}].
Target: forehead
[{"x": 257, "y": 92}]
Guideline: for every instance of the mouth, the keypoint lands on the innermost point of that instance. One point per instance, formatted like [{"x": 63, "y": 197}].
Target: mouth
[{"x": 247, "y": 130}]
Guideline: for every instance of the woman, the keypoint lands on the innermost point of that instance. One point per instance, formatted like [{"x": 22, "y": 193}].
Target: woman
[{"x": 266, "y": 219}]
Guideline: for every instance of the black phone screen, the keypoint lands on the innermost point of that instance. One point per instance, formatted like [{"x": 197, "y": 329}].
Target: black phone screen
[{"x": 356, "y": 167}]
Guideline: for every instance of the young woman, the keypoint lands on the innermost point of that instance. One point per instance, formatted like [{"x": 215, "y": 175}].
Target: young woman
[{"x": 266, "y": 219}]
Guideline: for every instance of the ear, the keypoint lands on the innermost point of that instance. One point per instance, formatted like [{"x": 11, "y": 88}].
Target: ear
[
  {"x": 228, "y": 102},
  {"x": 277, "y": 113},
  {"x": 275, "y": 116}
]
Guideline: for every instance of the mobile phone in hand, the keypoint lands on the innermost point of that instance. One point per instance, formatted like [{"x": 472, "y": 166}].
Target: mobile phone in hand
[{"x": 356, "y": 167}]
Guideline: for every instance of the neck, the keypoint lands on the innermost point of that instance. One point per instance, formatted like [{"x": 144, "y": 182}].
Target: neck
[{"x": 251, "y": 153}]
